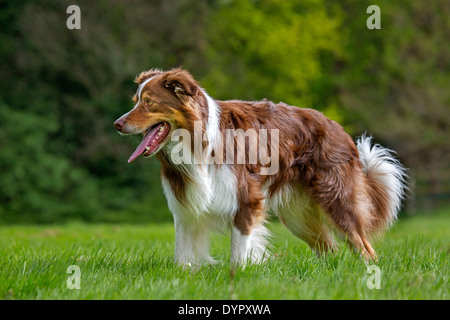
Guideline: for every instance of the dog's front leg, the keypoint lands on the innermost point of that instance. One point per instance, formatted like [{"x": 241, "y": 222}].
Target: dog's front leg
[
  {"x": 249, "y": 248},
  {"x": 191, "y": 243},
  {"x": 240, "y": 247},
  {"x": 248, "y": 234}
]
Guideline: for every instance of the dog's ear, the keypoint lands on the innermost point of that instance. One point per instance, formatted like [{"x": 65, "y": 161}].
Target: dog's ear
[
  {"x": 147, "y": 74},
  {"x": 181, "y": 83}
]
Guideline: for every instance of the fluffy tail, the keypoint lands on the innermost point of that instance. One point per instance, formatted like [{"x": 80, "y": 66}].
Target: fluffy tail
[{"x": 386, "y": 179}]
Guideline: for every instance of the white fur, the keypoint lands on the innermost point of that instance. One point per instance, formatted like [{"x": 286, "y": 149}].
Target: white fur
[
  {"x": 380, "y": 165},
  {"x": 249, "y": 248},
  {"x": 301, "y": 215},
  {"x": 210, "y": 201},
  {"x": 210, "y": 205},
  {"x": 279, "y": 199},
  {"x": 192, "y": 241},
  {"x": 212, "y": 128}
]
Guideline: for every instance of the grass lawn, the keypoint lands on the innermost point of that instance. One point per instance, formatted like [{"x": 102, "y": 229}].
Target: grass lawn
[{"x": 136, "y": 262}]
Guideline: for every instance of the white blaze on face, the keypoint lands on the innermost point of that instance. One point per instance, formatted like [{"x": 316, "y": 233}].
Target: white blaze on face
[{"x": 139, "y": 90}]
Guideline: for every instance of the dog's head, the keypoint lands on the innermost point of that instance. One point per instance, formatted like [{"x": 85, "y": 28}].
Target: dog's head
[{"x": 164, "y": 102}]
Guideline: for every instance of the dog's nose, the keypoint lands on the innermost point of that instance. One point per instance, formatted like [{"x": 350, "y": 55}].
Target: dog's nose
[{"x": 119, "y": 124}]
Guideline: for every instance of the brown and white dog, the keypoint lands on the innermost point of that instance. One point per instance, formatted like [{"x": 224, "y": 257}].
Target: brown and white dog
[{"x": 323, "y": 183}]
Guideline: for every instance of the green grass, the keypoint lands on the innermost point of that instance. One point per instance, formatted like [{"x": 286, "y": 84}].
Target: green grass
[{"x": 136, "y": 262}]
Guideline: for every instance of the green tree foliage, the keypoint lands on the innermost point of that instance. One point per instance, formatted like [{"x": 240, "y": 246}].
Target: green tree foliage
[
  {"x": 394, "y": 83},
  {"x": 35, "y": 181},
  {"x": 61, "y": 91},
  {"x": 272, "y": 49}
]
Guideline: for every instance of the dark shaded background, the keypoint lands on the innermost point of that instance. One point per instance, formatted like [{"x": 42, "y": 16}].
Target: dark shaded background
[{"x": 61, "y": 90}]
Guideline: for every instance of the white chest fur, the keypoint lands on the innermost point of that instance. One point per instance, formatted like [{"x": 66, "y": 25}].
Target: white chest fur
[{"x": 212, "y": 191}]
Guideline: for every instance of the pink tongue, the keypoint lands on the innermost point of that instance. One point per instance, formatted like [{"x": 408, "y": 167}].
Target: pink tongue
[{"x": 144, "y": 143}]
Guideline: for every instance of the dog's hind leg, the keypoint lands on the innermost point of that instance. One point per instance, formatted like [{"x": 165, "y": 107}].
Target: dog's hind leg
[
  {"x": 358, "y": 241},
  {"x": 341, "y": 192},
  {"x": 352, "y": 221},
  {"x": 306, "y": 220}
]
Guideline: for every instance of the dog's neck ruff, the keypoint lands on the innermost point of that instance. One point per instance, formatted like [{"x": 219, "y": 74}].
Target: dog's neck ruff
[
  {"x": 213, "y": 135},
  {"x": 212, "y": 127}
]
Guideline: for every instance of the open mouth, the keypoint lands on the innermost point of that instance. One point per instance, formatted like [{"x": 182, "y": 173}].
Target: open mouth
[{"x": 152, "y": 141}]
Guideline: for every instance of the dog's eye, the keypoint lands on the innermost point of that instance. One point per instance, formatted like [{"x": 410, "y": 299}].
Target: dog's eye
[{"x": 148, "y": 101}]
